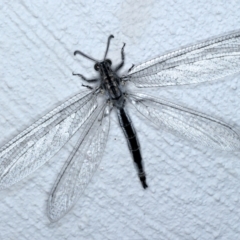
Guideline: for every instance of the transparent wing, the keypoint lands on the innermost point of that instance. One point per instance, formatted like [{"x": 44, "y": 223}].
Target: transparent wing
[
  {"x": 37, "y": 144},
  {"x": 80, "y": 166},
  {"x": 186, "y": 123},
  {"x": 206, "y": 61}
]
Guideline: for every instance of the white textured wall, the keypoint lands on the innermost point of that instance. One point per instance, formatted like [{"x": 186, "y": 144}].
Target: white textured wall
[{"x": 193, "y": 191}]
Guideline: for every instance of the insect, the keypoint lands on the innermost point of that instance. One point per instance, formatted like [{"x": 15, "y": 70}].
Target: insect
[{"x": 87, "y": 117}]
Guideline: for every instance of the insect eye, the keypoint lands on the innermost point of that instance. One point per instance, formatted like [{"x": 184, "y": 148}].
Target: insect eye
[
  {"x": 96, "y": 67},
  {"x": 109, "y": 62}
]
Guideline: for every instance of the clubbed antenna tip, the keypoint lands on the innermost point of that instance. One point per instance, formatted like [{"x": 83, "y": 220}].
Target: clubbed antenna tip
[
  {"x": 84, "y": 55},
  {"x": 108, "y": 43}
]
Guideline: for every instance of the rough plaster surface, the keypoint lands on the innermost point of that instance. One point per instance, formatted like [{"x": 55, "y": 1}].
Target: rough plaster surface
[{"x": 193, "y": 191}]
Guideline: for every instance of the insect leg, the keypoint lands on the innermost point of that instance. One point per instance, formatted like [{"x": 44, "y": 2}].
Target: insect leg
[
  {"x": 87, "y": 86},
  {"x": 129, "y": 70},
  {"x": 123, "y": 57},
  {"x": 84, "y": 78}
]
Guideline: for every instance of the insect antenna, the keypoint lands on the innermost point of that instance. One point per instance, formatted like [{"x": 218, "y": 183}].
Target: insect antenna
[
  {"x": 108, "y": 43},
  {"x": 84, "y": 55}
]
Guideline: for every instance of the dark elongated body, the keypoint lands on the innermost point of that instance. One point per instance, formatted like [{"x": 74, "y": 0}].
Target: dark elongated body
[
  {"x": 133, "y": 143},
  {"x": 111, "y": 83}
]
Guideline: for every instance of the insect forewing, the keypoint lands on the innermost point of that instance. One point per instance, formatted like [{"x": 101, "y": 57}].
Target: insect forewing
[
  {"x": 186, "y": 123},
  {"x": 80, "y": 166},
  {"x": 42, "y": 140},
  {"x": 206, "y": 61}
]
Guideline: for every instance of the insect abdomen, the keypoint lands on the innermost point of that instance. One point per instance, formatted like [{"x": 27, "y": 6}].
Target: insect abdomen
[{"x": 133, "y": 143}]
